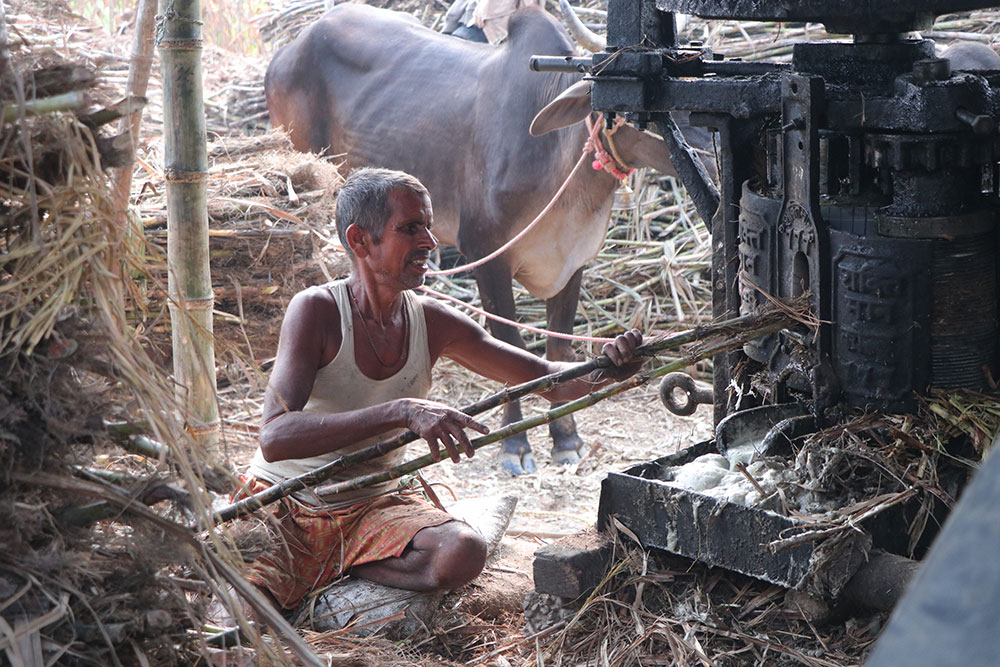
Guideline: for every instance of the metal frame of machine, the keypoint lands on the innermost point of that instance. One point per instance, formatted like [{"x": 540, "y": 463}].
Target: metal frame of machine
[{"x": 864, "y": 173}]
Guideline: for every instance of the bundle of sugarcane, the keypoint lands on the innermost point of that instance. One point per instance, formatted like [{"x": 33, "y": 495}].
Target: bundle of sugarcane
[
  {"x": 285, "y": 20},
  {"x": 774, "y": 41}
]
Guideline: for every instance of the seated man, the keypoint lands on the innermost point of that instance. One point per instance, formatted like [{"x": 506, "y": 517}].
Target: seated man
[
  {"x": 482, "y": 20},
  {"x": 353, "y": 368}
]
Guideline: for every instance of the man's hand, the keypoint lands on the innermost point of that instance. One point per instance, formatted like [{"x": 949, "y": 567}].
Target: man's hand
[
  {"x": 440, "y": 424},
  {"x": 621, "y": 352}
]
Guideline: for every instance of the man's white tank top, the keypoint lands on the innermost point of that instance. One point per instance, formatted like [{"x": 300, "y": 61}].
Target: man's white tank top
[{"x": 340, "y": 386}]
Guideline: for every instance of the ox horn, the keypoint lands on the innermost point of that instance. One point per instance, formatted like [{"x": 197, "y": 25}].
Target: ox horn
[{"x": 583, "y": 35}]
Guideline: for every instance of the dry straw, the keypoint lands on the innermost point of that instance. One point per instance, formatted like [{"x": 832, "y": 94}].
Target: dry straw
[{"x": 72, "y": 357}]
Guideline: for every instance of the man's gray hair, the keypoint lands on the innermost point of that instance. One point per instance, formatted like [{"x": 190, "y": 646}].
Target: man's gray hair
[{"x": 364, "y": 200}]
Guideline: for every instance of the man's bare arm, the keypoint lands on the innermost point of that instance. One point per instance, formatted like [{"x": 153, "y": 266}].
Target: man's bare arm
[{"x": 456, "y": 336}]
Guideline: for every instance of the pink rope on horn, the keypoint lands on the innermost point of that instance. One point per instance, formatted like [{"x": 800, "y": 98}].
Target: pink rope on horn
[
  {"x": 603, "y": 160},
  {"x": 518, "y": 325}
]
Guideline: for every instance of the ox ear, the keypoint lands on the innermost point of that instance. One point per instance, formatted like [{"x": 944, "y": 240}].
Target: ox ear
[{"x": 570, "y": 107}]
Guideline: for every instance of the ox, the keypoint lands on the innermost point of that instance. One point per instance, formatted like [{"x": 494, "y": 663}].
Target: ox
[
  {"x": 378, "y": 88},
  {"x": 972, "y": 56}
]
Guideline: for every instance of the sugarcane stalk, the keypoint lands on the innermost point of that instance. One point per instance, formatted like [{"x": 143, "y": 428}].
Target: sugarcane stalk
[
  {"x": 967, "y": 36},
  {"x": 143, "y": 446},
  {"x": 108, "y": 476},
  {"x": 81, "y": 516},
  {"x": 129, "y": 436},
  {"x": 123, "y": 429},
  {"x": 140, "y": 65},
  {"x": 735, "y": 331},
  {"x": 702, "y": 352},
  {"x": 63, "y": 102},
  {"x": 150, "y": 494}
]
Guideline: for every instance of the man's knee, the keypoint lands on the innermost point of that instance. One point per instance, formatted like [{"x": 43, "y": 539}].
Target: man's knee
[{"x": 459, "y": 555}]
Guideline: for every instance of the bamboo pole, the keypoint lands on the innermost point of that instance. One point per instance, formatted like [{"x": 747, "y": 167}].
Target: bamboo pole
[
  {"x": 186, "y": 168},
  {"x": 4, "y": 49},
  {"x": 745, "y": 327}
]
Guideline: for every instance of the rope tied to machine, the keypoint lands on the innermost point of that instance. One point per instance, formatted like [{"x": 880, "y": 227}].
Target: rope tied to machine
[
  {"x": 603, "y": 161},
  {"x": 610, "y": 162}
]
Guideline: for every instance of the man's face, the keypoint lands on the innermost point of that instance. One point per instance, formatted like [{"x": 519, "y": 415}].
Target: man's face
[{"x": 407, "y": 240}]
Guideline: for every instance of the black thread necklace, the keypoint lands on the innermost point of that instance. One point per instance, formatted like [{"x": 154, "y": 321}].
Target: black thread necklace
[{"x": 371, "y": 341}]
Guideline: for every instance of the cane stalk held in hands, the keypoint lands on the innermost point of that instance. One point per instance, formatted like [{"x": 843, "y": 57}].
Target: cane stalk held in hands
[
  {"x": 735, "y": 333},
  {"x": 703, "y": 352}
]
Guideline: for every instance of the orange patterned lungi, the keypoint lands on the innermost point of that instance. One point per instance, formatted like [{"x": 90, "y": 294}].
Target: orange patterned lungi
[{"x": 319, "y": 545}]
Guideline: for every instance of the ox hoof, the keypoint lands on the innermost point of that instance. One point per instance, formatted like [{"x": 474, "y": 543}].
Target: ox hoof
[
  {"x": 565, "y": 456},
  {"x": 518, "y": 464}
]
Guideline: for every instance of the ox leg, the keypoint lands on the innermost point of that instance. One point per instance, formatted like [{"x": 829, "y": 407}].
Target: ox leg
[
  {"x": 560, "y": 312},
  {"x": 494, "y": 282}
]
